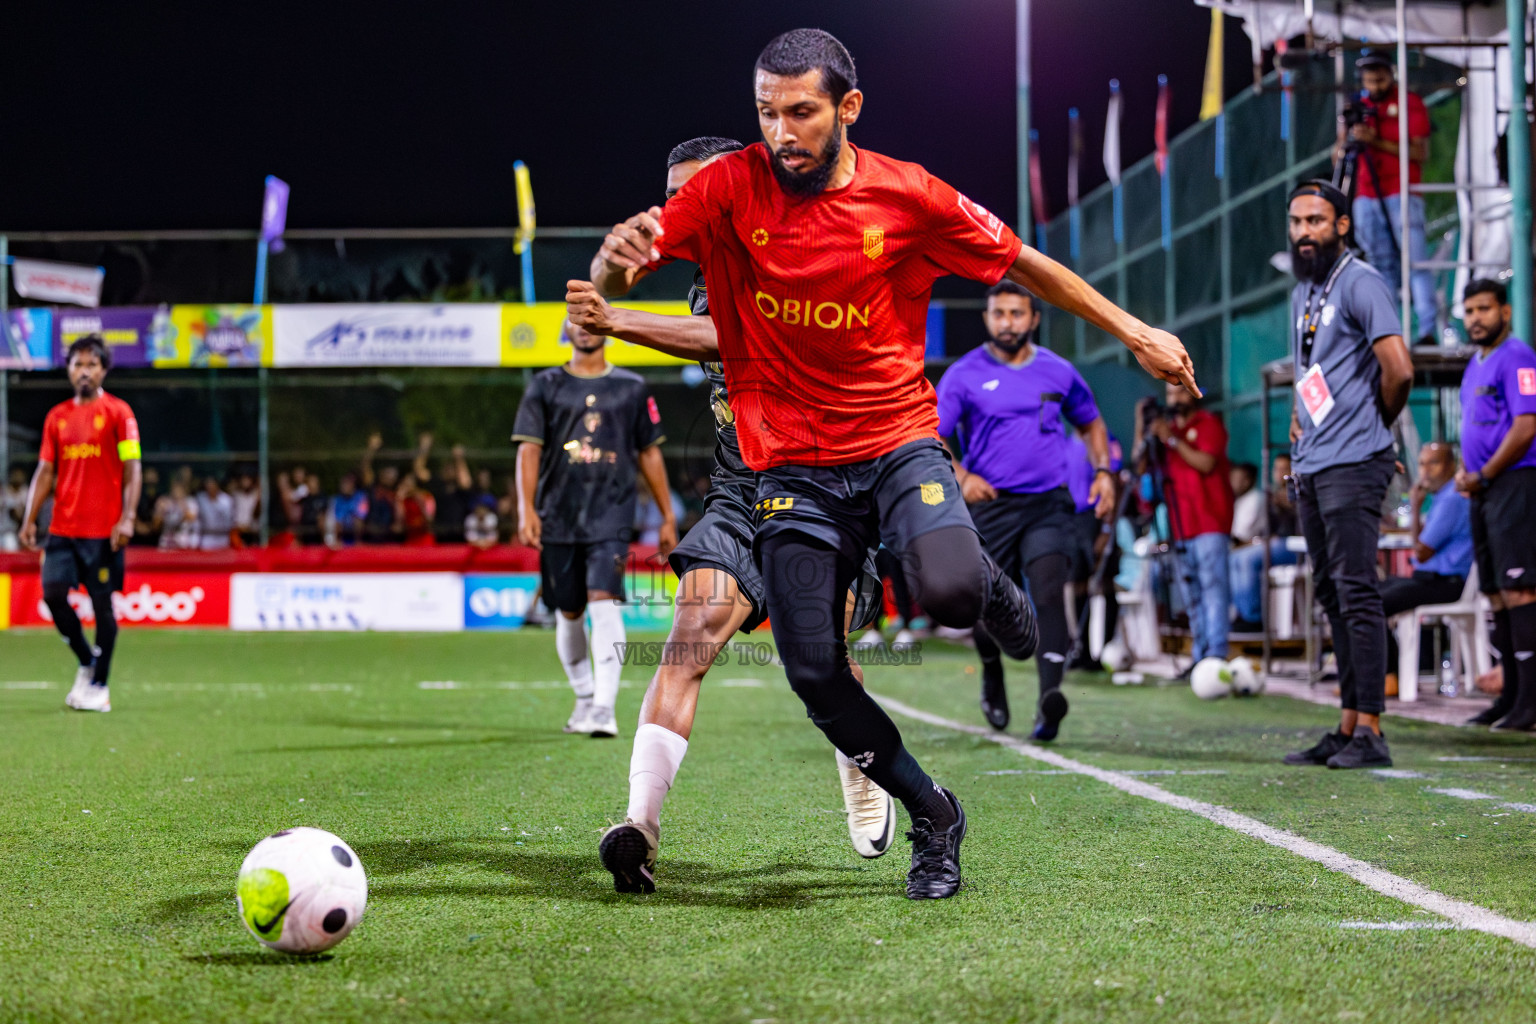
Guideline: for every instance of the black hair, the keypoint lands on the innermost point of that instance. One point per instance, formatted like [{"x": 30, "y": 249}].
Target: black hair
[
  {"x": 1374, "y": 59},
  {"x": 807, "y": 49},
  {"x": 1247, "y": 467},
  {"x": 1324, "y": 189},
  {"x": 1487, "y": 286},
  {"x": 1007, "y": 287},
  {"x": 90, "y": 343},
  {"x": 701, "y": 149}
]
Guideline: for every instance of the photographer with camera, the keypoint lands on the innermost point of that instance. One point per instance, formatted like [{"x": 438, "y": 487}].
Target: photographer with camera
[
  {"x": 1187, "y": 447},
  {"x": 1367, "y": 155}
]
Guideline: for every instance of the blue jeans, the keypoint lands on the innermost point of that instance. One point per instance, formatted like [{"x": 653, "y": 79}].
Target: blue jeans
[
  {"x": 1206, "y": 597},
  {"x": 1246, "y": 565},
  {"x": 1376, "y": 234}
]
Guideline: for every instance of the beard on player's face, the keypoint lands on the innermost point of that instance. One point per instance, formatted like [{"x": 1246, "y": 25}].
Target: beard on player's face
[
  {"x": 1010, "y": 341},
  {"x": 1313, "y": 256},
  {"x": 1482, "y": 333},
  {"x": 813, "y": 180}
]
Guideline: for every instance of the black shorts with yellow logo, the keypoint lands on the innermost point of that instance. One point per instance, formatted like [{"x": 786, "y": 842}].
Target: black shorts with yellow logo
[
  {"x": 722, "y": 540},
  {"x": 87, "y": 561},
  {"x": 894, "y": 498}
]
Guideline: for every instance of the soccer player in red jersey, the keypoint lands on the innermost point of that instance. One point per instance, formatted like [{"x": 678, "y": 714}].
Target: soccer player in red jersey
[
  {"x": 824, "y": 256},
  {"x": 90, "y": 462}
]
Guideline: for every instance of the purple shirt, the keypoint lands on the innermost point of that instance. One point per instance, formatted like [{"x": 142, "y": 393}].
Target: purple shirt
[
  {"x": 1009, "y": 418},
  {"x": 1496, "y": 388}
]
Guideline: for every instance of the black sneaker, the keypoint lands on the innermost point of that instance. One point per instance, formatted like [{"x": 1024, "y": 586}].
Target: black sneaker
[
  {"x": 628, "y": 851},
  {"x": 1053, "y": 708},
  {"x": 1365, "y": 749},
  {"x": 1320, "y": 753},
  {"x": 1008, "y": 617},
  {"x": 1497, "y": 710},
  {"x": 994, "y": 694},
  {"x": 1521, "y": 719},
  {"x": 935, "y": 873}
]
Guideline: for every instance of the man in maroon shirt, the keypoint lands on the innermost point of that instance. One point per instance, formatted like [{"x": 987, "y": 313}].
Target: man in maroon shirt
[{"x": 1191, "y": 451}]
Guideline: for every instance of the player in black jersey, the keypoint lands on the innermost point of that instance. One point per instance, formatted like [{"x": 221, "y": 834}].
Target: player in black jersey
[
  {"x": 719, "y": 588},
  {"x": 583, "y": 430}
]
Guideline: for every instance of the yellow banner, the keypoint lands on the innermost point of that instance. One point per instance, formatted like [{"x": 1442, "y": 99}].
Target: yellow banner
[
  {"x": 1211, "y": 95},
  {"x": 217, "y": 336},
  {"x": 530, "y": 336},
  {"x": 5, "y": 600}
]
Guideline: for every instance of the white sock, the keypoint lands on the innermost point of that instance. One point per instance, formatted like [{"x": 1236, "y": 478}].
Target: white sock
[
  {"x": 571, "y": 645},
  {"x": 607, "y": 635},
  {"x": 653, "y": 764}
]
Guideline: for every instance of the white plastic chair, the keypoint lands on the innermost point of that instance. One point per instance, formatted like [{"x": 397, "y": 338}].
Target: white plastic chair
[
  {"x": 1469, "y": 638},
  {"x": 1138, "y": 610}
]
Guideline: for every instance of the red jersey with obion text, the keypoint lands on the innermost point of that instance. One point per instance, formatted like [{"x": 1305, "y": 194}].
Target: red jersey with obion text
[
  {"x": 88, "y": 442},
  {"x": 820, "y": 303}
]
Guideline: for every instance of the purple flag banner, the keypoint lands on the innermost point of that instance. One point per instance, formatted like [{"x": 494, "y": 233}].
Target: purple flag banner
[{"x": 274, "y": 211}]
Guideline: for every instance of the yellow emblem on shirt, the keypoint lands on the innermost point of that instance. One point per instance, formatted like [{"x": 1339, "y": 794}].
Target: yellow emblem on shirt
[{"x": 933, "y": 494}]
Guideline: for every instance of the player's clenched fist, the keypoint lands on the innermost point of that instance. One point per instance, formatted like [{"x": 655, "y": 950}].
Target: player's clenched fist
[
  {"x": 1163, "y": 356},
  {"x": 632, "y": 244},
  {"x": 530, "y": 530},
  {"x": 587, "y": 309}
]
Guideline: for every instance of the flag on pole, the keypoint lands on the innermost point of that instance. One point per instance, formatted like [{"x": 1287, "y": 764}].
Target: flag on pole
[
  {"x": 527, "y": 222},
  {"x": 1112, "y": 156},
  {"x": 1160, "y": 158},
  {"x": 1074, "y": 158},
  {"x": 1160, "y": 131},
  {"x": 1037, "y": 189},
  {"x": 1211, "y": 99}
]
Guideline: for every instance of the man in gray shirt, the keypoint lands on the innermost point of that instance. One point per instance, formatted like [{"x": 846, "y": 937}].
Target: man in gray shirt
[
  {"x": 1353, "y": 374},
  {"x": 215, "y": 516}
]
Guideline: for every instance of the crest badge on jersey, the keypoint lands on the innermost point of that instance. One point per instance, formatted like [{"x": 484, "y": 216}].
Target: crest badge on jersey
[
  {"x": 760, "y": 237},
  {"x": 1527, "y": 380},
  {"x": 874, "y": 242},
  {"x": 932, "y": 494},
  {"x": 99, "y": 422}
]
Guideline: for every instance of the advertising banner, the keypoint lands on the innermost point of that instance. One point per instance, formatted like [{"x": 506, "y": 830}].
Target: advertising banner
[
  {"x": 216, "y": 336},
  {"x": 498, "y": 601},
  {"x": 421, "y": 601},
  {"x": 164, "y": 599},
  {"x": 530, "y": 336},
  {"x": 387, "y": 334},
  {"x": 133, "y": 333},
  {"x": 48, "y": 281},
  {"x": 27, "y": 342}
]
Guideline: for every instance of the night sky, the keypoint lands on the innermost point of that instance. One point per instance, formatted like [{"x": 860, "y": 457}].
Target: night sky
[{"x": 166, "y": 116}]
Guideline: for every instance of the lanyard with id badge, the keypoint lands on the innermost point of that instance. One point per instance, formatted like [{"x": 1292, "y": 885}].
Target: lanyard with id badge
[{"x": 1312, "y": 389}]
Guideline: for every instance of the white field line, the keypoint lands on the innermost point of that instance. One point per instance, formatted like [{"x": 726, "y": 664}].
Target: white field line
[
  {"x": 1458, "y": 912},
  {"x": 1472, "y": 794},
  {"x": 1397, "y": 926}
]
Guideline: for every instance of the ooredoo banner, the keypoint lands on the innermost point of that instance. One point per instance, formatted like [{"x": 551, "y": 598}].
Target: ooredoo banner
[
  {"x": 416, "y": 601},
  {"x": 459, "y": 334},
  {"x": 164, "y": 599}
]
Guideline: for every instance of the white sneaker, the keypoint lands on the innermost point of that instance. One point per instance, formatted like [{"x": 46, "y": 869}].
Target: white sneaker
[
  {"x": 906, "y": 638},
  {"x": 871, "y": 639},
  {"x": 83, "y": 676},
  {"x": 93, "y": 698},
  {"x": 871, "y": 811},
  {"x": 602, "y": 724},
  {"x": 580, "y": 720}
]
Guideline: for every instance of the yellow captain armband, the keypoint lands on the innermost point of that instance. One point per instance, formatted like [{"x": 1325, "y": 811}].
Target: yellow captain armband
[{"x": 129, "y": 450}]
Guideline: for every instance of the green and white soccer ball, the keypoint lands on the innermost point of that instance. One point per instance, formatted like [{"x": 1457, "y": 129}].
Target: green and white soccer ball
[
  {"x": 1245, "y": 681},
  {"x": 301, "y": 890},
  {"x": 1116, "y": 657},
  {"x": 1211, "y": 679}
]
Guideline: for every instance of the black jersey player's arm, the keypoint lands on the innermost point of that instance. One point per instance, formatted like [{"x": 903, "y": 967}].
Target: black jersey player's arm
[
  {"x": 687, "y": 337},
  {"x": 655, "y": 472},
  {"x": 42, "y": 486},
  {"x": 1159, "y": 353},
  {"x": 133, "y": 484},
  {"x": 529, "y": 528},
  {"x": 627, "y": 252}
]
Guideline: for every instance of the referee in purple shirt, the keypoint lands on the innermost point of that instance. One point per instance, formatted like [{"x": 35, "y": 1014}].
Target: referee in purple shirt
[
  {"x": 1498, "y": 421},
  {"x": 1004, "y": 402}
]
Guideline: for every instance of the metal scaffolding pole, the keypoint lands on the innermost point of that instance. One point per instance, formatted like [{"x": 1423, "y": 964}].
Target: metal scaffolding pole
[
  {"x": 1404, "y": 197},
  {"x": 1519, "y": 174},
  {"x": 1021, "y": 64}
]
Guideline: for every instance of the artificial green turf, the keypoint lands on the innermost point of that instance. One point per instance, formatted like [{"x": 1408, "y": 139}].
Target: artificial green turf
[{"x": 477, "y": 821}]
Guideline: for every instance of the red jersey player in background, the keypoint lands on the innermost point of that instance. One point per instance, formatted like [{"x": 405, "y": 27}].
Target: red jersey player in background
[
  {"x": 90, "y": 461},
  {"x": 823, "y": 257}
]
